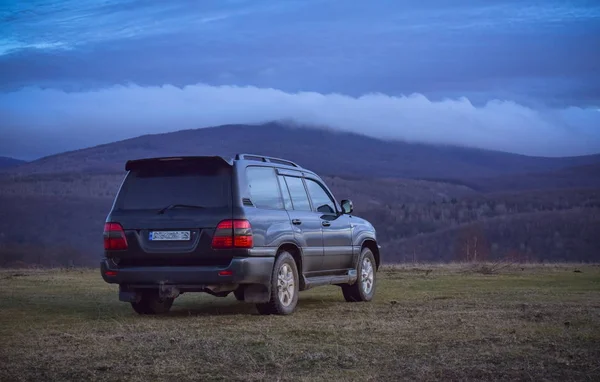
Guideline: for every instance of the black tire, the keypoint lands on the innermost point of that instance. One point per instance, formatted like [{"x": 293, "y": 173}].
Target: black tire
[
  {"x": 282, "y": 304},
  {"x": 151, "y": 303},
  {"x": 239, "y": 293},
  {"x": 360, "y": 291},
  {"x": 264, "y": 309}
]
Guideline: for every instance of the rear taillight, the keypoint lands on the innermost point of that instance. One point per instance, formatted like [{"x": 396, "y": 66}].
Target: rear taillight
[
  {"x": 114, "y": 237},
  {"x": 233, "y": 234}
]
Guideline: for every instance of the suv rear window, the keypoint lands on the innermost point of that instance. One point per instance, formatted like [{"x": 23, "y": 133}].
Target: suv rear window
[
  {"x": 163, "y": 185},
  {"x": 264, "y": 188}
]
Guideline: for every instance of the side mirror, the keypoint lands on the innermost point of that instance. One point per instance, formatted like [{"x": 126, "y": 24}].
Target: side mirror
[{"x": 347, "y": 206}]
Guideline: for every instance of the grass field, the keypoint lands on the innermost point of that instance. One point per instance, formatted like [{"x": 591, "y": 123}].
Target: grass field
[{"x": 426, "y": 323}]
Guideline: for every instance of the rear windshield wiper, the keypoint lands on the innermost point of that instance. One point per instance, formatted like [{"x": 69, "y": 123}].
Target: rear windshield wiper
[{"x": 171, "y": 206}]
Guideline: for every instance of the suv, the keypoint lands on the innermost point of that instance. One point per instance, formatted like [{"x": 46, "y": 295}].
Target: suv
[{"x": 260, "y": 227}]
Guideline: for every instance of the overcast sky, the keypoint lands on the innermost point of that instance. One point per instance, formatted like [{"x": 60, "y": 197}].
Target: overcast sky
[{"x": 513, "y": 75}]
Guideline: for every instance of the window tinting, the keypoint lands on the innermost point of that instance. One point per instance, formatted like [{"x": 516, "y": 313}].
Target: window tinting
[
  {"x": 264, "y": 189},
  {"x": 321, "y": 200},
  {"x": 298, "y": 193},
  {"x": 287, "y": 201},
  {"x": 162, "y": 185}
]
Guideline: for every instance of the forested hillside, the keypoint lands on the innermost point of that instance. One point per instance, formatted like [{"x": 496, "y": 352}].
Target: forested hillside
[
  {"x": 427, "y": 202},
  {"x": 58, "y": 219},
  {"x": 6, "y": 162}
]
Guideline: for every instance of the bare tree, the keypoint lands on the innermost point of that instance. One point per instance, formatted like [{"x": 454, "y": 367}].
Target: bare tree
[{"x": 472, "y": 245}]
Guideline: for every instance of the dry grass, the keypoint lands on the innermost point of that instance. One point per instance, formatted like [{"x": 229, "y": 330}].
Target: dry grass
[{"x": 427, "y": 323}]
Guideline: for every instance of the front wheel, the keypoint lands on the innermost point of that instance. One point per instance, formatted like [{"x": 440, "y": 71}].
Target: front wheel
[
  {"x": 284, "y": 287},
  {"x": 364, "y": 287}
]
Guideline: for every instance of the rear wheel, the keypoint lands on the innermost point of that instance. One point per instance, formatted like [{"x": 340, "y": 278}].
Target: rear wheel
[
  {"x": 151, "y": 303},
  {"x": 284, "y": 287},
  {"x": 239, "y": 293},
  {"x": 364, "y": 287}
]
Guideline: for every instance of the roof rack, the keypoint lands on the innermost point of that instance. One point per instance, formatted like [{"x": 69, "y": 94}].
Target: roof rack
[{"x": 263, "y": 158}]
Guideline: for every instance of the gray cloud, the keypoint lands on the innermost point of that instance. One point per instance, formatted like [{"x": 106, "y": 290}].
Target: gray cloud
[
  {"x": 523, "y": 50},
  {"x": 38, "y": 122},
  {"x": 514, "y": 75}
]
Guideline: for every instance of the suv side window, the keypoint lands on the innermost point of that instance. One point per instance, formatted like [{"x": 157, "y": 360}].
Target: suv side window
[
  {"x": 287, "y": 200},
  {"x": 321, "y": 200},
  {"x": 298, "y": 193},
  {"x": 264, "y": 189}
]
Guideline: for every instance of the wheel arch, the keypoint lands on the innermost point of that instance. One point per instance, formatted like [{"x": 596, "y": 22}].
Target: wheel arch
[
  {"x": 372, "y": 245},
  {"x": 296, "y": 253}
]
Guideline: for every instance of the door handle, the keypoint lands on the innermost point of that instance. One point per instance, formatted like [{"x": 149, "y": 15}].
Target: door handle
[
  {"x": 325, "y": 223},
  {"x": 296, "y": 221}
]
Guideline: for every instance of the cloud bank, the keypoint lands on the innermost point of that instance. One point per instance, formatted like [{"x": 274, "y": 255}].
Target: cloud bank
[
  {"x": 37, "y": 122},
  {"x": 546, "y": 51}
]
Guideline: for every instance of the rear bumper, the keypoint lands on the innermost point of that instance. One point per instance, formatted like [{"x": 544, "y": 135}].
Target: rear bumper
[{"x": 247, "y": 270}]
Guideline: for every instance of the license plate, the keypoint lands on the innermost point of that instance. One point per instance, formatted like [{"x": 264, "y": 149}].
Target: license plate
[{"x": 169, "y": 235}]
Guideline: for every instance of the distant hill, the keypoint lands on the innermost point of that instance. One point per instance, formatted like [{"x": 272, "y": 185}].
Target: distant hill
[
  {"x": 584, "y": 176},
  {"x": 81, "y": 185},
  {"x": 413, "y": 218},
  {"x": 556, "y": 235},
  {"x": 38, "y": 209},
  {"x": 425, "y": 201},
  {"x": 6, "y": 162},
  {"x": 326, "y": 151}
]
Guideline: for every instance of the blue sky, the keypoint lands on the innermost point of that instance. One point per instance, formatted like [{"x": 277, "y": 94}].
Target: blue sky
[{"x": 520, "y": 76}]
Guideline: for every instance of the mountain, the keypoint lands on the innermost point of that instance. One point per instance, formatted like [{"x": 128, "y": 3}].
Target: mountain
[
  {"x": 325, "y": 151},
  {"x": 6, "y": 162},
  {"x": 510, "y": 205}
]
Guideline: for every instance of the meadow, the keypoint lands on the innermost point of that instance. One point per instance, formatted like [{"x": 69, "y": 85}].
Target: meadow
[{"x": 427, "y": 322}]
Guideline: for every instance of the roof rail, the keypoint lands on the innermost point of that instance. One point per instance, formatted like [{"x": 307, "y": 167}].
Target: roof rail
[{"x": 263, "y": 158}]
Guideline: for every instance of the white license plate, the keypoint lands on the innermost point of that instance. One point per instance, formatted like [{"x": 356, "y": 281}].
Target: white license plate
[{"x": 169, "y": 235}]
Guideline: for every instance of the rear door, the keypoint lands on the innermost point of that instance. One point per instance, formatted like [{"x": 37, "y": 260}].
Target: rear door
[
  {"x": 337, "y": 231},
  {"x": 270, "y": 221},
  {"x": 305, "y": 223},
  {"x": 169, "y": 210}
]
